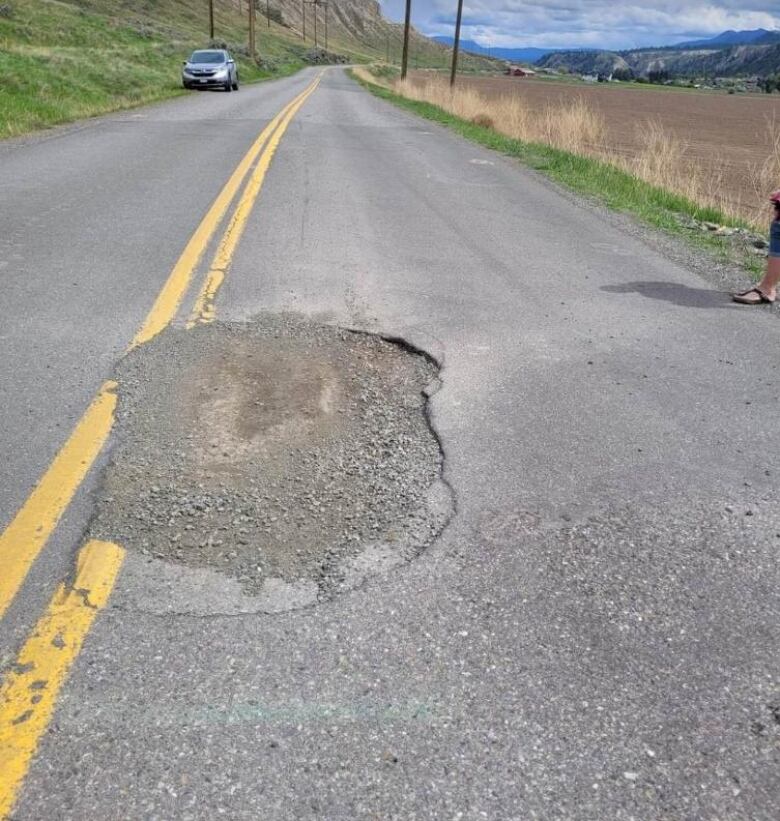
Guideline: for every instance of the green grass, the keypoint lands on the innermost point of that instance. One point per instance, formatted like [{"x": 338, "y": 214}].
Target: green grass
[
  {"x": 384, "y": 72},
  {"x": 60, "y": 61},
  {"x": 605, "y": 183}
]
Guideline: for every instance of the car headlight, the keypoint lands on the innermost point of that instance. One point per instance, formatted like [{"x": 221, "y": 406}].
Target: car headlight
[{"x": 221, "y": 72}]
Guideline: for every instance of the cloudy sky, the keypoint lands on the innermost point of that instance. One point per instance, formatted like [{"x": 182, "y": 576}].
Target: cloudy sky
[{"x": 603, "y": 23}]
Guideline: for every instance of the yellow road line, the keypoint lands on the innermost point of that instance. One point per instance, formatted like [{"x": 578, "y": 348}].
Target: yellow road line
[
  {"x": 203, "y": 310},
  {"x": 24, "y": 537},
  {"x": 29, "y": 692},
  {"x": 35, "y": 521},
  {"x": 169, "y": 298}
]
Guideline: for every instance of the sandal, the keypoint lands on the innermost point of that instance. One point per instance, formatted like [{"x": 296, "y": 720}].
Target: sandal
[{"x": 751, "y": 297}]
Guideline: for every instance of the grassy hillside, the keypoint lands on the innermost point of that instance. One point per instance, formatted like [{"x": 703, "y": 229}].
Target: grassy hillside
[{"x": 61, "y": 60}]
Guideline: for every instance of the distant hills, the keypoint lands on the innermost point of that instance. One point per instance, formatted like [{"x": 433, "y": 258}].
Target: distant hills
[
  {"x": 758, "y": 59},
  {"x": 734, "y": 38},
  {"x": 731, "y": 53}
]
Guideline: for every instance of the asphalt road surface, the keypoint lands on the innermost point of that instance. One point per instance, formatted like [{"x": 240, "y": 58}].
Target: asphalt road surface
[{"x": 595, "y": 633}]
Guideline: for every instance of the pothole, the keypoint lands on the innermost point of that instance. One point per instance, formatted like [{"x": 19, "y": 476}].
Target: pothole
[{"x": 291, "y": 457}]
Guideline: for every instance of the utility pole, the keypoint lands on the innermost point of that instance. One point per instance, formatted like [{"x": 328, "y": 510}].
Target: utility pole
[
  {"x": 303, "y": 18},
  {"x": 314, "y": 4},
  {"x": 456, "y": 44},
  {"x": 407, "y": 23},
  {"x": 252, "y": 48},
  {"x": 268, "y": 12},
  {"x": 327, "y": 11},
  {"x": 211, "y": 19}
]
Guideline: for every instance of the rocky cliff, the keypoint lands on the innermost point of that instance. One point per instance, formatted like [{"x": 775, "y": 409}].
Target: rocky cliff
[{"x": 352, "y": 24}]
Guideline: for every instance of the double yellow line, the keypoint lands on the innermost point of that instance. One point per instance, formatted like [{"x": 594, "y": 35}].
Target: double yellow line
[
  {"x": 204, "y": 304},
  {"x": 28, "y": 693},
  {"x": 167, "y": 303}
]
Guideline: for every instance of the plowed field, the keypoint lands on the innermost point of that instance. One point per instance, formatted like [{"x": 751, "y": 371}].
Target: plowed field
[{"x": 726, "y": 135}]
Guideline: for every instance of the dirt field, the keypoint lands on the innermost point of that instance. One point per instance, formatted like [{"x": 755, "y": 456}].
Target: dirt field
[{"x": 728, "y": 135}]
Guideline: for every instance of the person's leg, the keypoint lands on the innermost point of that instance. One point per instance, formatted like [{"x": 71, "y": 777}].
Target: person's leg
[
  {"x": 766, "y": 290},
  {"x": 768, "y": 285}
]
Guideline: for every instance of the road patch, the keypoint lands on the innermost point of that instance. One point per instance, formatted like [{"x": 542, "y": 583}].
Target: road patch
[{"x": 278, "y": 453}]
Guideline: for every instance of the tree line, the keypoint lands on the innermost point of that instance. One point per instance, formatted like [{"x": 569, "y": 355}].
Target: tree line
[{"x": 770, "y": 83}]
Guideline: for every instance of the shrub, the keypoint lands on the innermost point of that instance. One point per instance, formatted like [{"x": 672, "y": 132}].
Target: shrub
[
  {"x": 659, "y": 77},
  {"x": 483, "y": 120}
]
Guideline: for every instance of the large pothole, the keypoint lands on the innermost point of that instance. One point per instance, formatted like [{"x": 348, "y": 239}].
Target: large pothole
[{"x": 278, "y": 452}]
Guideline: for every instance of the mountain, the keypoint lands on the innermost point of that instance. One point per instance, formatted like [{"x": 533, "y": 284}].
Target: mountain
[
  {"x": 768, "y": 39},
  {"x": 356, "y": 27},
  {"x": 518, "y": 54},
  {"x": 586, "y": 62},
  {"x": 594, "y": 64},
  {"x": 733, "y": 38},
  {"x": 737, "y": 61}
]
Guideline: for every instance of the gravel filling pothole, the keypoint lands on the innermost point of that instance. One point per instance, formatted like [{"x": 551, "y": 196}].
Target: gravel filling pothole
[{"x": 277, "y": 451}]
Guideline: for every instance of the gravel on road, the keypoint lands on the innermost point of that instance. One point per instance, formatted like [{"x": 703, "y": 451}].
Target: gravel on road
[{"x": 277, "y": 451}]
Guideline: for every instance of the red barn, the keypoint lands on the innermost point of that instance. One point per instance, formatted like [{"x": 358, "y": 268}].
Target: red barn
[{"x": 518, "y": 71}]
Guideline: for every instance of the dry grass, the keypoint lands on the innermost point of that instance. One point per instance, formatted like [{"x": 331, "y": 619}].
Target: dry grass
[
  {"x": 659, "y": 158},
  {"x": 663, "y": 161},
  {"x": 573, "y": 128},
  {"x": 367, "y": 77},
  {"x": 759, "y": 173}
]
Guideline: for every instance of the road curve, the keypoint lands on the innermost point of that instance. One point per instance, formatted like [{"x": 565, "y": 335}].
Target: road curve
[{"x": 595, "y": 635}]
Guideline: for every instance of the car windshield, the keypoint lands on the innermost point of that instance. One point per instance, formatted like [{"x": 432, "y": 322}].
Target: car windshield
[{"x": 208, "y": 57}]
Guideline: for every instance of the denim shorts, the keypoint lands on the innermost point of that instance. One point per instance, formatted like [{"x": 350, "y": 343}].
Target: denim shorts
[{"x": 774, "y": 239}]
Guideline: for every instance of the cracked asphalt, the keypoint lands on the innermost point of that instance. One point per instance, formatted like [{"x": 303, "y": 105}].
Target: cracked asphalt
[{"x": 594, "y": 634}]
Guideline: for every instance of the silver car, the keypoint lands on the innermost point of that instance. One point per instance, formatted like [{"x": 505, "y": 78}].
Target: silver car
[{"x": 210, "y": 68}]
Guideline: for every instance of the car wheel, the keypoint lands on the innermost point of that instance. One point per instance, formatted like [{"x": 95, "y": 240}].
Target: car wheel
[
  {"x": 235, "y": 84},
  {"x": 228, "y": 85}
]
